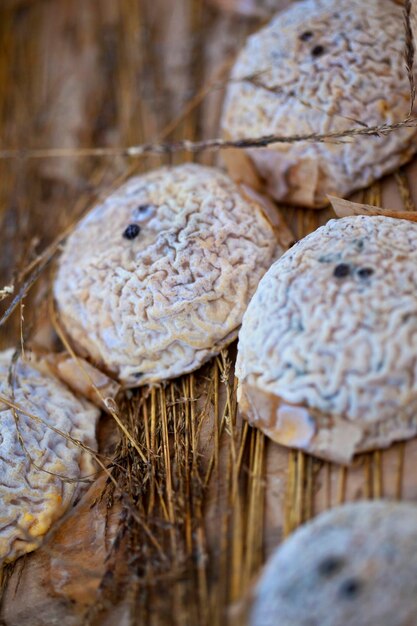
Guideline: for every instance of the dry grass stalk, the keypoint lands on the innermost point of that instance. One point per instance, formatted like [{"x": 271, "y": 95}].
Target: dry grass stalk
[
  {"x": 188, "y": 145},
  {"x": 409, "y": 51}
]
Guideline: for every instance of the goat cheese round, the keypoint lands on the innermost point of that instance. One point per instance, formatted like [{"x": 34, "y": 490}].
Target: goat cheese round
[
  {"x": 327, "y": 350},
  {"x": 318, "y": 67},
  {"x": 155, "y": 280}
]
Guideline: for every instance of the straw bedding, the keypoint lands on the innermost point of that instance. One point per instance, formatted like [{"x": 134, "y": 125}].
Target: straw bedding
[{"x": 193, "y": 500}]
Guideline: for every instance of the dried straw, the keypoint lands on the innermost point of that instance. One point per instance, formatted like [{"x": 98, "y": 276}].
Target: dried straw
[{"x": 191, "y": 479}]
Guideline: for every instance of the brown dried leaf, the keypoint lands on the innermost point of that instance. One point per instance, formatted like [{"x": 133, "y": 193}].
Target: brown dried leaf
[
  {"x": 83, "y": 378},
  {"x": 344, "y": 208},
  {"x": 282, "y": 232}
]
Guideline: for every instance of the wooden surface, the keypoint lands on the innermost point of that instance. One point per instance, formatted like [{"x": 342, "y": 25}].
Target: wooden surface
[{"x": 191, "y": 513}]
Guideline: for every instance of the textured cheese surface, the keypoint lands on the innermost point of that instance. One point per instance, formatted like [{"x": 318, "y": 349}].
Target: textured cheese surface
[
  {"x": 160, "y": 304},
  {"x": 35, "y": 461},
  {"x": 323, "y": 66},
  {"x": 355, "y": 565},
  {"x": 331, "y": 335}
]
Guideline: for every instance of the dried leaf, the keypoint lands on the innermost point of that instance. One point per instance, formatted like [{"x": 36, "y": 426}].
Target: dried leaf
[{"x": 345, "y": 208}]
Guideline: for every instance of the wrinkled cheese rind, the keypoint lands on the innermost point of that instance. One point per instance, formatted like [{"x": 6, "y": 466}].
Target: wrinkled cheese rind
[
  {"x": 161, "y": 304},
  {"x": 33, "y": 470},
  {"x": 341, "y": 347},
  {"x": 355, "y": 565},
  {"x": 323, "y": 67}
]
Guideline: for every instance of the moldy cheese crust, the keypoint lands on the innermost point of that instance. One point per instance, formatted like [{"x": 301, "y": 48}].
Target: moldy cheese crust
[
  {"x": 355, "y": 565},
  {"x": 321, "y": 66},
  {"x": 155, "y": 281},
  {"x": 327, "y": 350},
  {"x": 34, "y": 459}
]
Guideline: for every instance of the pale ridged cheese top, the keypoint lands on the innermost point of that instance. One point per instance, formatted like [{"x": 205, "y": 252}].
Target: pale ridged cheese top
[
  {"x": 161, "y": 303},
  {"x": 36, "y": 461},
  {"x": 324, "y": 66},
  {"x": 355, "y": 565},
  {"x": 333, "y": 327}
]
